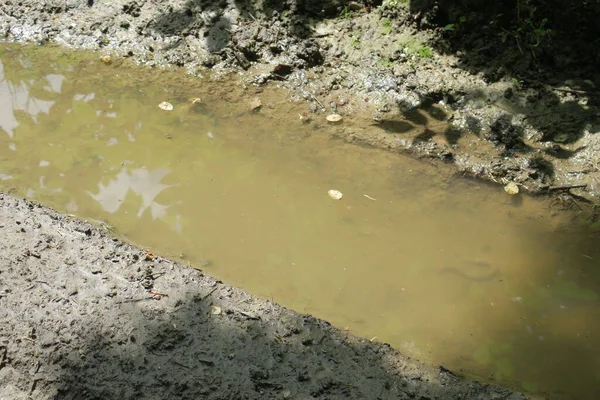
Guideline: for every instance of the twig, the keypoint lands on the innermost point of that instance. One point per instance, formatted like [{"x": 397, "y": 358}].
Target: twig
[
  {"x": 134, "y": 300},
  {"x": 369, "y": 197},
  {"x": 178, "y": 363},
  {"x": 567, "y": 90},
  {"x": 28, "y": 339},
  {"x": 209, "y": 293},
  {"x": 317, "y": 100},
  {"x": 564, "y": 187}
]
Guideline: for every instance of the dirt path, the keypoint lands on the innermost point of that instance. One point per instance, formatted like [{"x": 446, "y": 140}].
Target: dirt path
[
  {"x": 86, "y": 316},
  {"x": 508, "y": 122}
]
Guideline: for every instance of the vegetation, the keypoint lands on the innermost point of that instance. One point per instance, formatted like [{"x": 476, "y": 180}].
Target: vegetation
[{"x": 387, "y": 26}]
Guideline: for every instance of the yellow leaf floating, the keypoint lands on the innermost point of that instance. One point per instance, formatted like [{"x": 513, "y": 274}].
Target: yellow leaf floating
[
  {"x": 165, "y": 105},
  {"x": 511, "y": 188},
  {"x": 335, "y": 194}
]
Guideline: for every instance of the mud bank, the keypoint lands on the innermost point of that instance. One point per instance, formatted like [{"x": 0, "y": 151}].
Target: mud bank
[
  {"x": 383, "y": 62},
  {"x": 87, "y": 316}
]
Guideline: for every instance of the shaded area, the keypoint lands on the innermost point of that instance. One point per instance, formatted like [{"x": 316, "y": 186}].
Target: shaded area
[
  {"x": 289, "y": 28},
  {"x": 550, "y": 49},
  {"x": 545, "y": 40}
]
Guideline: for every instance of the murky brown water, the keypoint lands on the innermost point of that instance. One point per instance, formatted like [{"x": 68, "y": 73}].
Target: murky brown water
[{"x": 448, "y": 270}]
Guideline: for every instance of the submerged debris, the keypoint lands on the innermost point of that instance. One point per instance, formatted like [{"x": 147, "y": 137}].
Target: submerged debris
[{"x": 255, "y": 104}]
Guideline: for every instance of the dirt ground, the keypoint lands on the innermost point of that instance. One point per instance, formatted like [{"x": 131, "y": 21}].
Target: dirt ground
[
  {"x": 509, "y": 118},
  {"x": 87, "y": 316}
]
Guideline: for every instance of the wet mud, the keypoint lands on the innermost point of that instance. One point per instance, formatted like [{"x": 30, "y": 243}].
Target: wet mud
[
  {"x": 388, "y": 62},
  {"x": 87, "y": 316}
]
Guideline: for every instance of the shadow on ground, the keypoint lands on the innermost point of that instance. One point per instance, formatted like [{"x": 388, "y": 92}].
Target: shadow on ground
[
  {"x": 209, "y": 346},
  {"x": 215, "y": 21},
  {"x": 549, "y": 48}
]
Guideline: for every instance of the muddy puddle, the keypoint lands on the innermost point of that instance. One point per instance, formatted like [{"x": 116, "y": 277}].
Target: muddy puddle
[{"x": 445, "y": 269}]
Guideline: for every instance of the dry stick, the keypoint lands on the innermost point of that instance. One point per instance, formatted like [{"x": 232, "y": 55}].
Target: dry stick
[
  {"x": 567, "y": 90},
  {"x": 317, "y": 100},
  {"x": 209, "y": 293},
  {"x": 565, "y": 187}
]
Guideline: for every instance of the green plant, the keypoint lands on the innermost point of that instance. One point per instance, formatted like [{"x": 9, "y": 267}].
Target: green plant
[
  {"x": 530, "y": 31},
  {"x": 347, "y": 13},
  {"x": 456, "y": 25},
  {"x": 425, "y": 52},
  {"x": 538, "y": 33},
  {"x": 387, "y": 26},
  {"x": 419, "y": 49},
  {"x": 385, "y": 64}
]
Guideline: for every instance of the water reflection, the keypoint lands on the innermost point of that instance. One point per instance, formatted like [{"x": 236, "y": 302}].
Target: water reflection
[
  {"x": 140, "y": 181},
  {"x": 15, "y": 96},
  {"x": 445, "y": 269}
]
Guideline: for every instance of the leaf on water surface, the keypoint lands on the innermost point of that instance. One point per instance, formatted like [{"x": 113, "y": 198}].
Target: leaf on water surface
[
  {"x": 334, "y": 118},
  {"x": 165, "y": 105},
  {"x": 511, "y": 188},
  {"x": 335, "y": 194}
]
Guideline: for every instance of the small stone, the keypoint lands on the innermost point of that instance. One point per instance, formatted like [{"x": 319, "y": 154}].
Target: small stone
[{"x": 255, "y": 104}]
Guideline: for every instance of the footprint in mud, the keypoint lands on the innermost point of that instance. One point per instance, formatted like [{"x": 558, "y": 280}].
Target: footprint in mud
[{"x": 476, "y": 271}]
